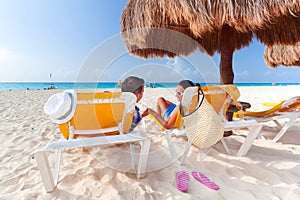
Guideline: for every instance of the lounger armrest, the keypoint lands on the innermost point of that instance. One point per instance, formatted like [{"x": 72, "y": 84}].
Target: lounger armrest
[{"x": 232, "y": 108}]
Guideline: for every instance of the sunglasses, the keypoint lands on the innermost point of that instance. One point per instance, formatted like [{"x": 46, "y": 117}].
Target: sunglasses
[{"x": 179, "y": 93}]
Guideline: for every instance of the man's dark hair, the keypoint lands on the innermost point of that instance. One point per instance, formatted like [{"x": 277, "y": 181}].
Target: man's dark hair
[{"x": 132, "y": 84}]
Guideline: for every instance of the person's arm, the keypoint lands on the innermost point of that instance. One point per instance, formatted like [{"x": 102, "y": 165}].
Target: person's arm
[
  {"x": 146, "y": 112},
  {"x": 166, "y": 124}
]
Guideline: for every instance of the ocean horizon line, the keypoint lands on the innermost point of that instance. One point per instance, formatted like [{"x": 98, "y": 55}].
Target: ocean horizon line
[
  {"x": 145, "y": 82},
  {"x": 84, "y": 85}
]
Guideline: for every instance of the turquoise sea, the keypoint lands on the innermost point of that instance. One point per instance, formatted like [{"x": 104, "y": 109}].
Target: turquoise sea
[{"x": 71, "y": 85}]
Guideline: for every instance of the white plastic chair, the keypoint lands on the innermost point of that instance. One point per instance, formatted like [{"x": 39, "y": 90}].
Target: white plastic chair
[{"x": 95, "y": 114}]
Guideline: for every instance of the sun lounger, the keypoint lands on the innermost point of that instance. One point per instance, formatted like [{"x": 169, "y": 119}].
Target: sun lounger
[
  {"x": 88, "y": 118},
  {"x": 288, "y": 109},
  {"x": 205, "y": 119}
]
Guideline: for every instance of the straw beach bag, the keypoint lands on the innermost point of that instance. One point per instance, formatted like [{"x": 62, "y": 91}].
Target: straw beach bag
[{"x": 203, "y": 126}]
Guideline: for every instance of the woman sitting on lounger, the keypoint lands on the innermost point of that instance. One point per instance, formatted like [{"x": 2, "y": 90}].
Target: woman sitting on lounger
[{"x": 167, "y": 111}]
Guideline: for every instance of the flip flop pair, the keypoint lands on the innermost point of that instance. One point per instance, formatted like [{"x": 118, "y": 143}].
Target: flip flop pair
[{"x": 182, "y": 180}]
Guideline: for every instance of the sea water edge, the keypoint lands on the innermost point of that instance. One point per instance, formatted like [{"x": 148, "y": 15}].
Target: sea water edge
[{"x": 82, "y": 85}]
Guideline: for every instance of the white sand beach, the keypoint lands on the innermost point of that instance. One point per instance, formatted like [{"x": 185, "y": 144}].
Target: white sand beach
[{"x": 268, "y": 171}]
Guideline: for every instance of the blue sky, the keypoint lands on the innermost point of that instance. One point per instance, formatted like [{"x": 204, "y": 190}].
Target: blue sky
[{"x": 39, "y": 37}]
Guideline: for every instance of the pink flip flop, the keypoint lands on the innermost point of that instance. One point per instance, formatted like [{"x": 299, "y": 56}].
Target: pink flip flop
[
  {"x": 205, "y": 180},
  {"x": 182, "y": 180}
]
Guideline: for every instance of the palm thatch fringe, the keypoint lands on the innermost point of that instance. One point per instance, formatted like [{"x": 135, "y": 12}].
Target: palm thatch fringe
[
  {"x": 271, "y": 22},
  {"x": 286, "y": 55}
]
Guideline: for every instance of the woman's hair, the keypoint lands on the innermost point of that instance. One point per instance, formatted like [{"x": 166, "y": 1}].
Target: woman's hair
[{"x": 186, "y": 83}]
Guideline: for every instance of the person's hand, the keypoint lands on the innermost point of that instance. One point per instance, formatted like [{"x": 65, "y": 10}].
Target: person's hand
[{"x": 146, "y": 112}]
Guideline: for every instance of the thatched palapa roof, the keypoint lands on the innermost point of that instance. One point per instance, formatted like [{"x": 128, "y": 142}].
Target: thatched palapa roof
[
  {"x": 286, "y": 55},
  {"x": 271, "y": 21}
]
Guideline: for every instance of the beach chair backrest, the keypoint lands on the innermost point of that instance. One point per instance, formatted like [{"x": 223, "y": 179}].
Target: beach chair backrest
[
  {"x": 178, "y": 122},
  {"x": 216, "y": 96},
  {"x": 101, "y": 111},
  {"x": 291, "y": 104},
  {"x": 221, "y": 96}
]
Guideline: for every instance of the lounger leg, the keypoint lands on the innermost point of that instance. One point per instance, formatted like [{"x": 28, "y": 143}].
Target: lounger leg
[
  {"x": 225, "y": 146},
  {"x": 253, "y": 133},
  {"x": 171, "y": 145},
  {"x": 277, "y": 124},
  {"x": 186, "y": 150},
  {"x": 284, "y": 129},
  {"x": 143, "y": 158},
  {"x": 133, "y": 156},
  {"x": 43, "y": 166},
  {"x": 260, "y": 136},
  {"x": 57, "y": 165}
]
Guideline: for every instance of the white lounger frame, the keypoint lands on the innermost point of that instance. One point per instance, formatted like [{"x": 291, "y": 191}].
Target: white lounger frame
[
  {"x": 290, "y": 116},
  {"x": 252, "y": 125},
  {"x": 139, "y": 161}
]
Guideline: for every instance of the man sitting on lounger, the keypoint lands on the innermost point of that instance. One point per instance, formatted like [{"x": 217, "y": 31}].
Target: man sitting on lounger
[{"x": 136, "y": 86}]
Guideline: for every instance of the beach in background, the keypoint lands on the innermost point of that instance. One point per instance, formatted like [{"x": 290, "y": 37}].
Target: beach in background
[
  {"x": 107, "y": 85},
  {"x": 268, "y": 171}
]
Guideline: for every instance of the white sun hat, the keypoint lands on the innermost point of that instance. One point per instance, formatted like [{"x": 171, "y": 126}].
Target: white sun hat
[{"x": 61, "y": 106}]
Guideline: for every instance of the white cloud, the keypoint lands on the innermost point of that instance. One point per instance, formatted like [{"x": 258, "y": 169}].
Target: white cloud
[
  {"x": 195, "y": 73},
  {"x": 267, "y": 73},
  {"x": 180, "y": 67},
  {"x": 7, "y": 55},
  {"x": 243, "y": 73},
  {"x": 156, "y": 72}
]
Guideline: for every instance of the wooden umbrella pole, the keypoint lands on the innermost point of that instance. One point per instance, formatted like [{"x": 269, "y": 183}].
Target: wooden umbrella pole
[
  {"x": 226, "y": 51},
  {"x": 227, "y": 75}
]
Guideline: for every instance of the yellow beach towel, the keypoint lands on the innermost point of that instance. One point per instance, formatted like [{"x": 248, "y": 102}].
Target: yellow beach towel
[{"x": 178, "y": 122}]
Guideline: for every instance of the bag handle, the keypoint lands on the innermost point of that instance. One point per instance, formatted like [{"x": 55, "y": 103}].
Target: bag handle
[{"x": 199, "y": 102}]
